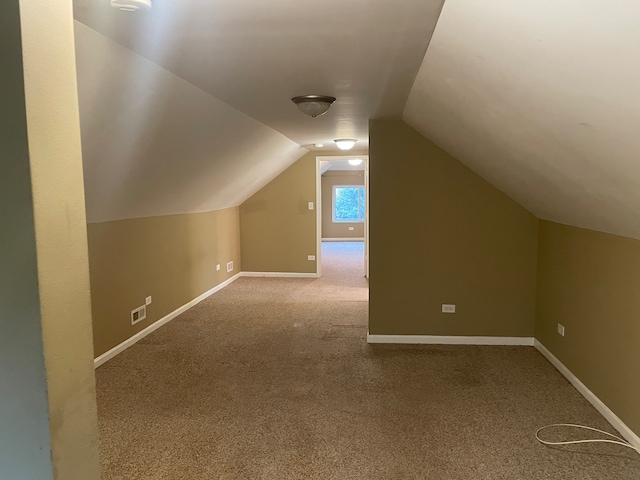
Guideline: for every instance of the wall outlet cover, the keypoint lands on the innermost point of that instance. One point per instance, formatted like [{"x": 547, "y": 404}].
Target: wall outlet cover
[
  {"x": 448, "y": 308},
  {"x": 138, "y": 314},
  {"x": 147, "y": 301},
  {"x": 217, "y": 267},
  {"x": 561, "y": 329},
  {"x": 229, "y": 266},
  {"x": 310, "y": 205},
  {"x": 311, "y": 257}
]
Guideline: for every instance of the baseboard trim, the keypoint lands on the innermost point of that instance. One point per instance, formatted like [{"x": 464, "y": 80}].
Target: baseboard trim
[
  {"x": 163, "y": 321},
  {"x": 344, "y": 239},
  {"x": 448, "y": 340},
  {"x": 591, "y": 397},
  {"x": 278, "y": 275}
]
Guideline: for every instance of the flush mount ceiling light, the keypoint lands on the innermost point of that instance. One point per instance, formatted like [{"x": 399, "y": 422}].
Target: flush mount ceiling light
[
  {"x": 313, "y": 105},
  {"x": 131, "y": 5},
  {"x": 345, "y": 143},
  {"x": 318, "y": 145},
  {"x": 355, "y": 161}
]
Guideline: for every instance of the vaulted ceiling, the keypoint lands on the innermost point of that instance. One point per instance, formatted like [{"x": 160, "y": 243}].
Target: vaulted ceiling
[
  {"x": 187, "y": 107},
  {"x": 154, "y": 144},
  {"x": 255, "y": 55},
  {"x": 542, "y": 99}
]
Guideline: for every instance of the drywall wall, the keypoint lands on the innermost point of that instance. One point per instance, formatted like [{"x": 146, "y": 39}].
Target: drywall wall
[
  {"x": 441, "y": 234},
  {"x": 339, "y": 229},
  {"x": 55, "y": 167},
  {"x": 278, "y": 231},
  {"x": 540, "y": 99},
  {"x": 590, "y": 282},
  {"x": 25, "y": 449},
  {"x": 170, "y": 258},
  {"x": 153, "y": 144}
]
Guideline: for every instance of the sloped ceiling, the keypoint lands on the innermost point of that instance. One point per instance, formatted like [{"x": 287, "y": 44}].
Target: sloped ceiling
[
  {"x": 186, "y": 107},
  {"x": 543, "y": 100},
  {"x": 255, "y": 55},
  {"x": 153, "y": 144}
]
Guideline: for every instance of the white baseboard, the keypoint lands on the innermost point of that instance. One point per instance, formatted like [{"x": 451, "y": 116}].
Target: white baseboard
[
  {"x": 278, "y": 274},
  {"x": 598, "y": 404},
  {"x": 448, "y": 340},
  {"x": 345, "y": 239},
  {"x": 163, "y": 321}
]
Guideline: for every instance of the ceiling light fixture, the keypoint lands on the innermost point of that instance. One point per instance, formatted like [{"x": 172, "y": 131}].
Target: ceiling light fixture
[
  {"x": 355, "y": 161},
  {"x": 345, "y": 143},
  {"x": 313, "y": 105},
  {"x": 131, "y": 5},
  {"x": 318, "y": 145}
]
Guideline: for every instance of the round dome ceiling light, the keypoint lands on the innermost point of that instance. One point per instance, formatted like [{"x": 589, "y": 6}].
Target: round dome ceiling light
[
  {"x": 345, "y": 143},
  {"x": 355, "y": 161},
  {"x": 313, "y": 105},
  {"x": 131, "y": 5}
]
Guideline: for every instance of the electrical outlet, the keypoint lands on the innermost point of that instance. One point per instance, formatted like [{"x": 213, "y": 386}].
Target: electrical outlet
[
  {"x": 446, "y": 308},
  {"x": 311, "y": 257},
  {"x": 310, "y": 205},
  {"x": 217, "y": 267},
  {"x": 561, "y": 329},
  {"x": 229, "y": 266},
  {"x": 138, "y": 314},
  {"x": 147, "y": 301},
  {"x": 350, "y": 228}
]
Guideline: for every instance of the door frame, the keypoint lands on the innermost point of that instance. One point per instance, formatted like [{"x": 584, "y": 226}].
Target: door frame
[{"x": 340, "y": 158}]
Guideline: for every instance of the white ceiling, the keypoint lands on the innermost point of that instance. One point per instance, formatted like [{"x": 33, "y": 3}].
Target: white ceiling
[
  {"x": 543, "y": 100},
  {"x": 153, "y": 144},
  {"x": 540, "y": 98},
  {"x": 255, "y": 55}
]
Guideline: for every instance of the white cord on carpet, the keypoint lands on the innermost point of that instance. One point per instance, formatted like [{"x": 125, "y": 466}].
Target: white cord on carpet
[{"x": 617, "y": 441}]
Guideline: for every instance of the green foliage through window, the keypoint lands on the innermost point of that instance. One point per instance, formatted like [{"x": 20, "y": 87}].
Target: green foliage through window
[{"x": 348, "y": 204}]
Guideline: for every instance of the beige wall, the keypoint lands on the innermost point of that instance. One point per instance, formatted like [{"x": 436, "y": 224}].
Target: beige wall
[
  {"x": 590, "y": 282},
  {"x": 172, "y": 259},
  {"x": 46, "y": 361},
  {"x": 25, "y": 443},
  {"x": 339, "y": 230},
  {"x": 278, "y": 231},
  {"x": 441, "y": 234}
]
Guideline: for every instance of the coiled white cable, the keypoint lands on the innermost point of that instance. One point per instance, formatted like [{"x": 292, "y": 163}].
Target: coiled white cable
[{"x": 617, "y": 441}]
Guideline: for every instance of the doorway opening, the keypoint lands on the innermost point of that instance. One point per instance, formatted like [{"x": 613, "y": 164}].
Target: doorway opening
[{"x": 342, "y": 214}]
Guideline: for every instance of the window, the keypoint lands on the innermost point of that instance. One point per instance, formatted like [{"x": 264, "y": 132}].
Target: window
[{"x": 348, "y": 203}]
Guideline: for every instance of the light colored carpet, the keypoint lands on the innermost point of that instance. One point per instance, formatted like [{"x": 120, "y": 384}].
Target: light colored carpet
[{"x": 273, "y": 379}]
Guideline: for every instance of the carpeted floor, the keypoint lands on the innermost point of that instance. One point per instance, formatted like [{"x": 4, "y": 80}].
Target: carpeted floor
[{"x": 273, "y": 379}]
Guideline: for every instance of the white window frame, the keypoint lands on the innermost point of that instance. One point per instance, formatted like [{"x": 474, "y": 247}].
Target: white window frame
[{"x": 333, "y": 203}]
